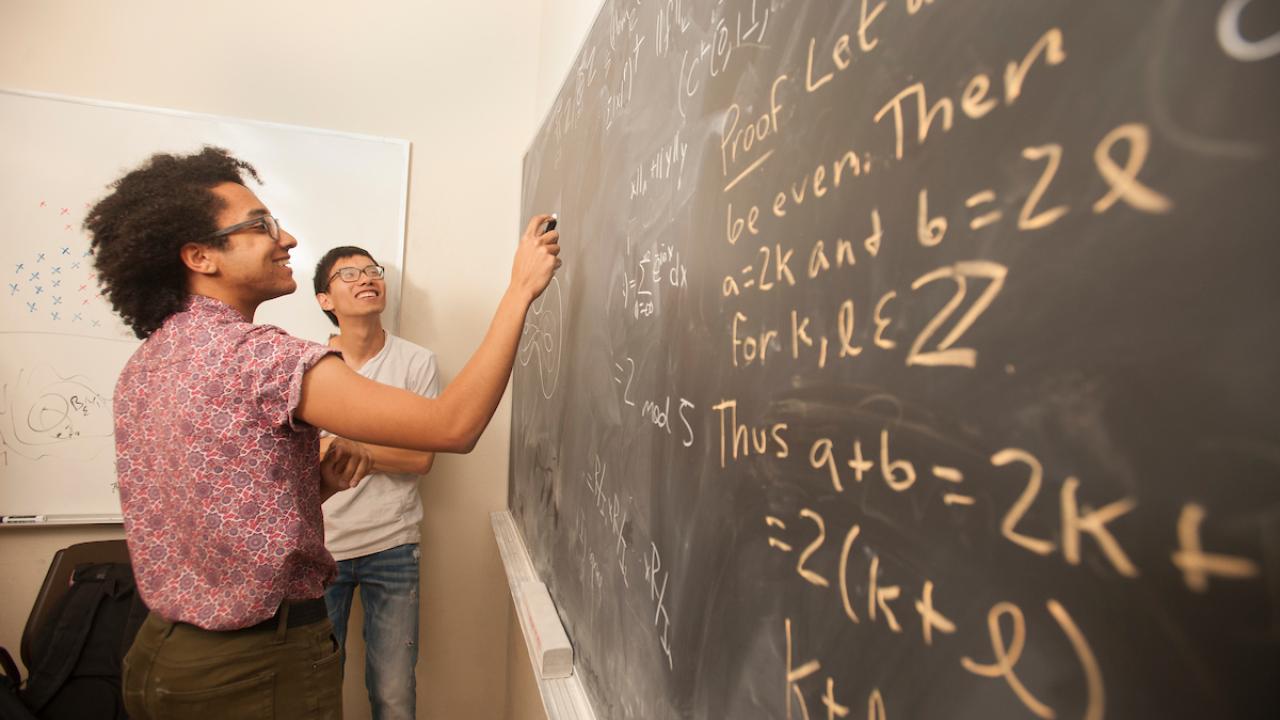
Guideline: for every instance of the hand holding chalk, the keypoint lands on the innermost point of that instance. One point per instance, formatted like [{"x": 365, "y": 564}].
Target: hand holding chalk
[{"x": 536, "y": 260}]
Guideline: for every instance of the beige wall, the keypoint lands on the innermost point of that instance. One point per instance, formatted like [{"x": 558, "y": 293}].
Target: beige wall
[
  {"x": 458, "y": 80},
  {"x": 523, "y": 699},
  {"x": 564, "y": 27}
]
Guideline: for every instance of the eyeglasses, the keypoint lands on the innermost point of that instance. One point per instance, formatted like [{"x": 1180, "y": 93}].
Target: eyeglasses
[
  {"x": 265, "y": 222},
  {"x": 350, "y": 274}
]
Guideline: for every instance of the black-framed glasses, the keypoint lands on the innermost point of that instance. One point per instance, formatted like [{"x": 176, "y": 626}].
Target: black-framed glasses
[
  {"x": 267, "y": 222},
  {"x": 350, "y": 274}
]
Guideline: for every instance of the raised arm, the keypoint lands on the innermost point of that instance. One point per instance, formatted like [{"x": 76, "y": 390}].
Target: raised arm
[{"x": 337, "y": 399}]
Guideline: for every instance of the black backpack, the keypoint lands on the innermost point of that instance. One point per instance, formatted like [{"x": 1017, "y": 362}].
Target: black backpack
[
  {"x": 11, "y": 706},
  {"x": 77, "y": 666}
]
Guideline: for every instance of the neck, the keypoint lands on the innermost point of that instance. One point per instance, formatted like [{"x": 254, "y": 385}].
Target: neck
[{"x": 360, "y": 339}]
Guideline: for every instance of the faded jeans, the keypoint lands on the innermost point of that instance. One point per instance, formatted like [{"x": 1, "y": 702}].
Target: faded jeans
[{"x": 388, "y": 582}]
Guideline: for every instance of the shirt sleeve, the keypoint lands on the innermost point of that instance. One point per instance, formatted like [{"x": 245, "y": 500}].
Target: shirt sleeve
[
  {"x": 427, "y": 382},
  {"x": 278, "y": 361}
]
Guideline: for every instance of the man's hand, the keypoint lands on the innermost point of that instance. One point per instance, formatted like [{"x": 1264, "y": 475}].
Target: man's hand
[
  {"x": 344, "y": 463},
  {"x": 536, "y": 259}
]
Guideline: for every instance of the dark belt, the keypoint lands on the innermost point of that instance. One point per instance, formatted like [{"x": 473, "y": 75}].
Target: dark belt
[{"x": 301, "y": 612}]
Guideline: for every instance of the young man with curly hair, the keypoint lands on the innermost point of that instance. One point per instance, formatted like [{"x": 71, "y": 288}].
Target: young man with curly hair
[
  {"x": 372, "y": 530},
  {"x": 217, "y": 440}
]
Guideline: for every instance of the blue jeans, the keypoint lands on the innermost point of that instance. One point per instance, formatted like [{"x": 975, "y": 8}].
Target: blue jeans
[{"x": 388, "y": 583}]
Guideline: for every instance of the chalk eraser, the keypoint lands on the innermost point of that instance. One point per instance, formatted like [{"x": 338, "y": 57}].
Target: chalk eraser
[{"x": 548, "y": 644}]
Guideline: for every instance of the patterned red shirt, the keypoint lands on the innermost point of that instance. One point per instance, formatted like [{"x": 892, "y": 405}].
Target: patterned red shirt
[{"x": 219, "y": 484}]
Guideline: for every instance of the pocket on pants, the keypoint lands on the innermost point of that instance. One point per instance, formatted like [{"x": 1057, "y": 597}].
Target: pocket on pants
[
  {"x": 252, "y": 698},
  {"x": 326, "y": 685},
  {"x": 132, "y": 688}
]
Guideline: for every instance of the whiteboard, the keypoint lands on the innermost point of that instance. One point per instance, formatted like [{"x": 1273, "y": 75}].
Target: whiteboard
[{"x": 61, "y": 346}]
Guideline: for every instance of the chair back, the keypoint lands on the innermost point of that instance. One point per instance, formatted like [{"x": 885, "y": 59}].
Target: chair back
[{"x": 58, "y": 579}]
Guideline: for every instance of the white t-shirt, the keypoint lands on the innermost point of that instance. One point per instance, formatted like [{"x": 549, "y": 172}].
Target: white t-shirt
[{"x": 384, "y": 510}]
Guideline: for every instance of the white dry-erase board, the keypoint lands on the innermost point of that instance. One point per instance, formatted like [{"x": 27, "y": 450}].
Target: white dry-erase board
[{"x": 61, "y": 346}]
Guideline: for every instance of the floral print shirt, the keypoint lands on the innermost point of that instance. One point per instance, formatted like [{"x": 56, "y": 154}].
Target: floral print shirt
[{"x": 219, "y": 483}]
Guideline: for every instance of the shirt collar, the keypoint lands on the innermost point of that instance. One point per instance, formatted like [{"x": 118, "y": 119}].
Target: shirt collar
[{"x": 202, "y": 306}]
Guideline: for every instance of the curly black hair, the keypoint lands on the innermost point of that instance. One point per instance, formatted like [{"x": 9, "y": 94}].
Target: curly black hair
[
  {"x": 325, "y": 267},
  {"x": 140, "y": 227}
]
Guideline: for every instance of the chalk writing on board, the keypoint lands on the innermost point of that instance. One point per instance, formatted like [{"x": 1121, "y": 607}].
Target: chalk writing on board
[
  {"x": 640, "y": 569},
  {"x": 731, "y": 29},
  {"x": 666, "y": 163},
  {"x": 849, "y": 464},
  {"x": 618, "y": 97},
  {"x": 965, "y": 308},
  {"x": 656, "y": 412},
  {"x": 1233, "y": 41},
  {"x": 543, "y": 337},
  {"x": 881, "y": 607},
  {"x": 658, "y": 269}
]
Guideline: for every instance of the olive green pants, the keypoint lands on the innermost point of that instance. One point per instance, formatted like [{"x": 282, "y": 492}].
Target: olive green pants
[{"x": 179, "y": 671}]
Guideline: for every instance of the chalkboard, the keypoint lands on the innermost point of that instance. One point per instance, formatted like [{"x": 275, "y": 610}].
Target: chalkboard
[
  {"x": 911, "y": 359},
  {"x": 63, "y": 347}
]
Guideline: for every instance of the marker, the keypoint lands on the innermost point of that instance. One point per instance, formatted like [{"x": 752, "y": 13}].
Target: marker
[
  {"x": 20, "y": 519},
  {"x": 551, "y": 224}
]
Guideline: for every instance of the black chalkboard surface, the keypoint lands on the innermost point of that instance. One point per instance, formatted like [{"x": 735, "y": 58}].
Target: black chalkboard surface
[{"x": 911, "y": 359}]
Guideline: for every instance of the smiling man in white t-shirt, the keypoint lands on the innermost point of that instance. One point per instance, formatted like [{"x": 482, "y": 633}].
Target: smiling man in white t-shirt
[{"x": 372, "y": 530}]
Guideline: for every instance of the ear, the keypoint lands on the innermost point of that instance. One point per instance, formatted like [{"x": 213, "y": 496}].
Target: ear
[
  {"x": 199, "y": 259},
  {"x": 325, "y": 302}
]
